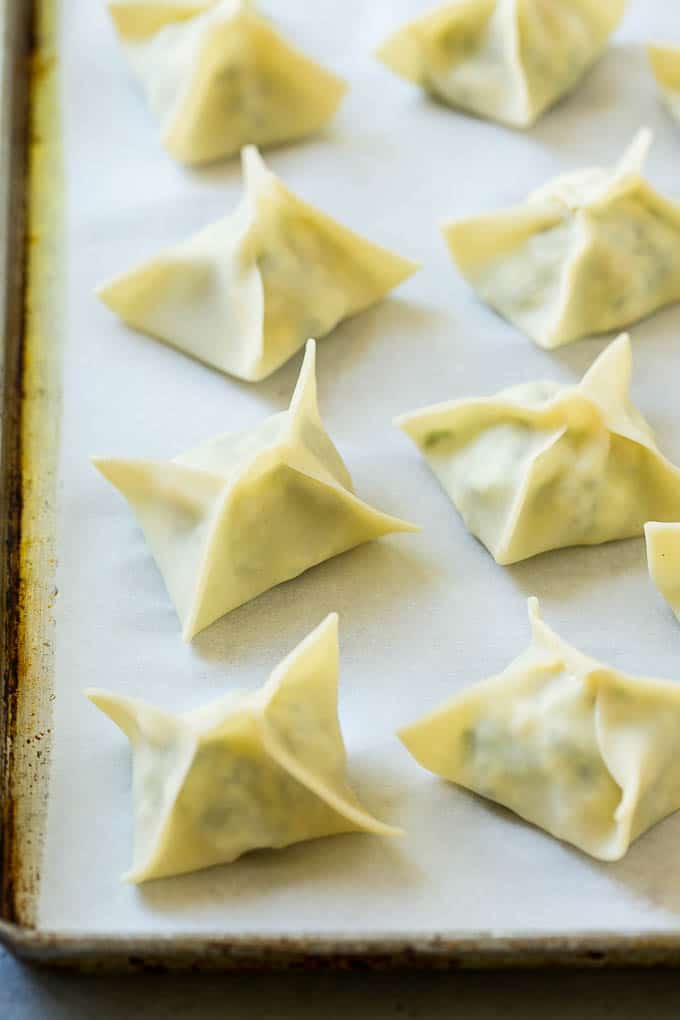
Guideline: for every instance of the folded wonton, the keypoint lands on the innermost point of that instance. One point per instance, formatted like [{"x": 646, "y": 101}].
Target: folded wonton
[
  {"x": 663, "y": 558},
  {"x": 252, "y": 770},
  {"x": 242, "y": 513},
  {"x": 590, "y": 252},
  {"x": 508, "y": 60},
  {"x": 543, "y": 466},
  {"x": 665, "y": 61},
  {"x": 245, "y": 293},
  {"x": 583, "y": 751},
  {"x": 218, "y": 76}
]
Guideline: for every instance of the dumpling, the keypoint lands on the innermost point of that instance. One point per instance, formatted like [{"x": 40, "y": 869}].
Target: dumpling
[
  {"x": 508, "y": 60},
  {"x": 663, "y": 558},
  {"x": 241, "y": 513},
  {"x": 218, "y": 76},
  {"x": 544, "y": 466},
  {"x": 244, "y": 294},
  {"x": 251, "y": 770},
  {"x": 590, "y": 252},
  {"x": 583, "y": 751},
  {"x": 665, "y": 61}
]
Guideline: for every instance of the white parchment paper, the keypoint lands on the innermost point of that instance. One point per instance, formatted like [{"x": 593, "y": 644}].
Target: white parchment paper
[{"x": 421, "y": 616}]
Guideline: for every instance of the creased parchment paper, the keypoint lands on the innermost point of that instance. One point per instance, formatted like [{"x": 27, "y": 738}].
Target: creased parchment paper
[{"x": 420, "y": 616}]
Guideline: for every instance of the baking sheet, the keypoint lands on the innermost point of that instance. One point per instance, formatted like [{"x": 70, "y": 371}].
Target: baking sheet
[{"x": 421, "y": 616}]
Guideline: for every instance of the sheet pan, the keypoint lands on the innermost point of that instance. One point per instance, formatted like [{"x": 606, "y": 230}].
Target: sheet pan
[{"x": 421, "y": 617}]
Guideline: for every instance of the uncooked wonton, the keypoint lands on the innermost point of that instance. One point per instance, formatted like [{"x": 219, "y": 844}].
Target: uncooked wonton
[
  {"x": 241, "y": 513},
  {"x": 508, "y": 60},
  {"x": 544, "y": 466},
  {"x": 590, "y": 252},
  {"x": 249, "y": 771},
  {"x": 586, "y": 752},
  {"x": 245, "y": 293},
  {"x": 218, "y": 76}
]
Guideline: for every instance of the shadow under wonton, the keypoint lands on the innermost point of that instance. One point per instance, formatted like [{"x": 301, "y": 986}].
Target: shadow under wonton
[
  {"x": 363, "y": 584},
  {"x": 290, "y": 878},
  {"x": 343, "y": 349},
  {"x": 602, "y": 90},
  {"x": 564, "y": 573}
]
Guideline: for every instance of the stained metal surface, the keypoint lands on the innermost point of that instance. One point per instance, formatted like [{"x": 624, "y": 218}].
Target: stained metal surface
[
  {"x": 16, "y": 27},
  {"x": 104, "y": 954},
  {"x": 40, "y": 414},
  {"x": 30, "y": 197}
]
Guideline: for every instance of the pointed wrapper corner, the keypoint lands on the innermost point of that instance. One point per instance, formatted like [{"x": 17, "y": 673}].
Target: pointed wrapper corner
[
  {"x": 310, "y": 672},
  {"x": 401, "y": 53},
  {"x": 397, "y": 526}
]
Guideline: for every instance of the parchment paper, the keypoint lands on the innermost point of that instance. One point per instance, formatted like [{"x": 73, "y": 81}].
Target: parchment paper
[{"x": 421, "y": 616}]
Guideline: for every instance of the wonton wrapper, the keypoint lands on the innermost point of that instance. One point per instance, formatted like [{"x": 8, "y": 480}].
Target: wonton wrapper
[
  {"x": 590, "y": 252},
  {"x": 665, "y": 61},
  {"x": 252, "y": 770},
  {"x": 508, "y": 60},
  {"x": 583, "y": 751},
  {"x": 241, "y": 513},
  {"x": 218, "y": 76},
  {"x": 244, "y": 294},
  {"x": 544, "y": 466},
  {"x": 663, "y": 558}
]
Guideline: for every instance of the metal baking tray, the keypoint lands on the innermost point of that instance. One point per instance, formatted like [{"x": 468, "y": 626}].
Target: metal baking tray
[{"x": 29, "y": 310}]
